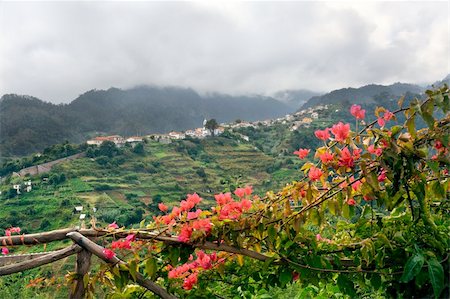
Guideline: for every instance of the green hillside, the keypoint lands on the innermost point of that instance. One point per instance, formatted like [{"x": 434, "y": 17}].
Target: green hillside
[{"x": 128, "y": 186}]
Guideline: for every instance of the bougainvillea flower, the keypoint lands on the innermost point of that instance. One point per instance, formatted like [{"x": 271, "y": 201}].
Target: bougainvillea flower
[
  {"x": 113, "y": 225},
  {"x": 5, "y": 250},
  {"x": 302, "y": 153},
  {"x": 346, "y": 158},
  {"x": 323, "y": 134},
  {"x": 121, "y": 244},
  {"x": 109, "y": 254},
  {"x": 241, "y": 192},
  {"x": 12, "y": 230},
  {"x": 193, "y": 215},
  {"x": 162, "y": 207},
  {"x": 190, "y": 281},
  {"x": 382, "y": 176},
  {"x": 194, "y": 198},
  {"x": 374, "y": 151},
  {"x": 351, "y": 202},
  {"x": 131, "y": 237},
  {"x": 223, "y": 198},
  {"x": 340, "y": 131},
  {"x": 326, "y": 157},
  {"x": 315, "y": 173},
  {"x": 185, "y": 233},
  {"x": 202, "y": 224},
  {"x": 357, "y": 112}
]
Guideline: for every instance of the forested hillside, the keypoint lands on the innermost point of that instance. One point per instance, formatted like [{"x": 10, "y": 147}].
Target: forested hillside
[{"x": 28, "y": 124}]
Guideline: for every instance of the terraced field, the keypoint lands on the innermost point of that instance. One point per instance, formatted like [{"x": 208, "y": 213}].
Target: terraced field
[{"x": 166, "y": 172}]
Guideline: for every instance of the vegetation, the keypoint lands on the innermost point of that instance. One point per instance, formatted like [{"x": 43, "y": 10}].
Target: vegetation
[{"x": 368, "y": 218}]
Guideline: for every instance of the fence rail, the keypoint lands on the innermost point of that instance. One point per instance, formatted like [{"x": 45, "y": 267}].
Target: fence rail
[{"x": 82, "y": 246}]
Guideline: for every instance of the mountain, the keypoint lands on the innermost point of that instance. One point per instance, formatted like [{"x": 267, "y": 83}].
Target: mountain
[
  {"x": 294, "y": 98},
  {"x": 28, "y": 124},
  {"x": 363, "y": 95}
]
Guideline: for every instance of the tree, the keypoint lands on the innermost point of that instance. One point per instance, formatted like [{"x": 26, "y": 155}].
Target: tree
[
  {"x": 139, "y": 149},
  {"x": 211, "y": 125}
]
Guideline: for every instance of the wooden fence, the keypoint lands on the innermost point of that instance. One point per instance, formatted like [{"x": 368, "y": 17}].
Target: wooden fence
[{"x": 83, "y": 247}]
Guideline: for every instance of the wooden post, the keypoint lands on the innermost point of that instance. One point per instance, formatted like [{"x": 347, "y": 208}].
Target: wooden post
[{"x": 81, "y": 268}]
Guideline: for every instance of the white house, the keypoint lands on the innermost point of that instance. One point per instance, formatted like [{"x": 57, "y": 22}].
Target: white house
[
  {"x": 78, "y": 209},
  {"x": 134, "y": 139},
  {"x": 176, "y": 135},
  {"x": 118, "y": 140}
]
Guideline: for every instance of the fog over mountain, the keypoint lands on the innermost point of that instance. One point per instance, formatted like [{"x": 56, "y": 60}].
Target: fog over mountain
[
  {"x": 57, "y": 50},
  {"x": 28, "y": 124}
]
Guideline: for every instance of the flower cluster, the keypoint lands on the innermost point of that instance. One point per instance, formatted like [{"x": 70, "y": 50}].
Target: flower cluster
[
  {"x": 189, "y": 271},
  {"x": 8, "y": 233},
  {"x": 119, "y": 244},
  {"x": 198, "y": 221}
]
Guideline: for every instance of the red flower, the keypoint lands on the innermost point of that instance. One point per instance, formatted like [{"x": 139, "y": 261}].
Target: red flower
[
  {"x": 175, "y": 211},
  {"x": 357, "y": 112},
  {"x": 381, "y": 122},
  {"x": 356, "y": 185},
  {"x": 323, "y": 134},
  {"x": 202, "y": 224},
  {"x": 368, "y": 197},
  {"x": 162, "y": 207},
  {"x": 351, "y": 202},
  {"x": 302, "y": 153},
  {"x": 131, "y": 237},
  {"x": 388, "y": 115},
  {"x": 185, "y": 233},
  {"x": 382, "y": 176},
  {"x": 121, "y": 244},
  {"x": 315, "y": 173},
  {"x": 113, "y": 225},
  {"x": 193, "y": 215},
  {"x": 340, "y": 131},
  {"x": 12, "y": 230},
  {"x": 248, "y": 190},
  {"x": 347, "y": 159},
  {"x": 246, "y": 204},
  {"x": 204, "y": 260},
  {"x": 194, "y": 198},
  {"x": 375, "y": 151},
  {"x": 190, "y": 281},
  {"x": 5, "y": 250},
  {"x": 186, "y": 205},
  {"x": 326, "y": 157},
  {"x": 109, "y": 254},
  {"x": 223, "y": 198}
]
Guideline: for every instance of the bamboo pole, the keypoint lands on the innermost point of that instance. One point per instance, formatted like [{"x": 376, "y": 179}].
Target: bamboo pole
[
  {"x": 98, "y": 251},
  {"x": 46, "y": 259}
]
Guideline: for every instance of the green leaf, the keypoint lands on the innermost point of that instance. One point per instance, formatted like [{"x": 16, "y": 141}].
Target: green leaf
[
  {"x": 150, "y": 267},
  {"x": 411, "y": 126},
  {"x": 436, "y": 273},
  {"x": 133, "y": 269},
  {"x": 412, "y": 267},
  {"x": 375, "y": 281},
  {"x": 285, "y": 276}
]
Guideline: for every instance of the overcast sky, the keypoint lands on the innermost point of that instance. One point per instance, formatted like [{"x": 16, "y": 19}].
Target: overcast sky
[{"x": 58, "y": 50}]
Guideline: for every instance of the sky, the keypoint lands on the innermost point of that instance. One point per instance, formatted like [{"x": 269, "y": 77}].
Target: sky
[{"x": 58, "y": 50}]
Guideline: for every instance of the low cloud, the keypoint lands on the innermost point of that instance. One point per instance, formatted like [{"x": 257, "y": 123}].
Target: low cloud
[{"x": 57, "y": 50}]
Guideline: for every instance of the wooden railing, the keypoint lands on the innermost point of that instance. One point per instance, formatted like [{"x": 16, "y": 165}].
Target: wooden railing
[{"x": 82, "y": 246}]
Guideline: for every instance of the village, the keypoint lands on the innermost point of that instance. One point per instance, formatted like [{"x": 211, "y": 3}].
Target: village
[{"x": 297, "y": 120}]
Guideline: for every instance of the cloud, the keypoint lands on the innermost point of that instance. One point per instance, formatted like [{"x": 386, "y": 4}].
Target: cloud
[{"x": 57, "y": 50}]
